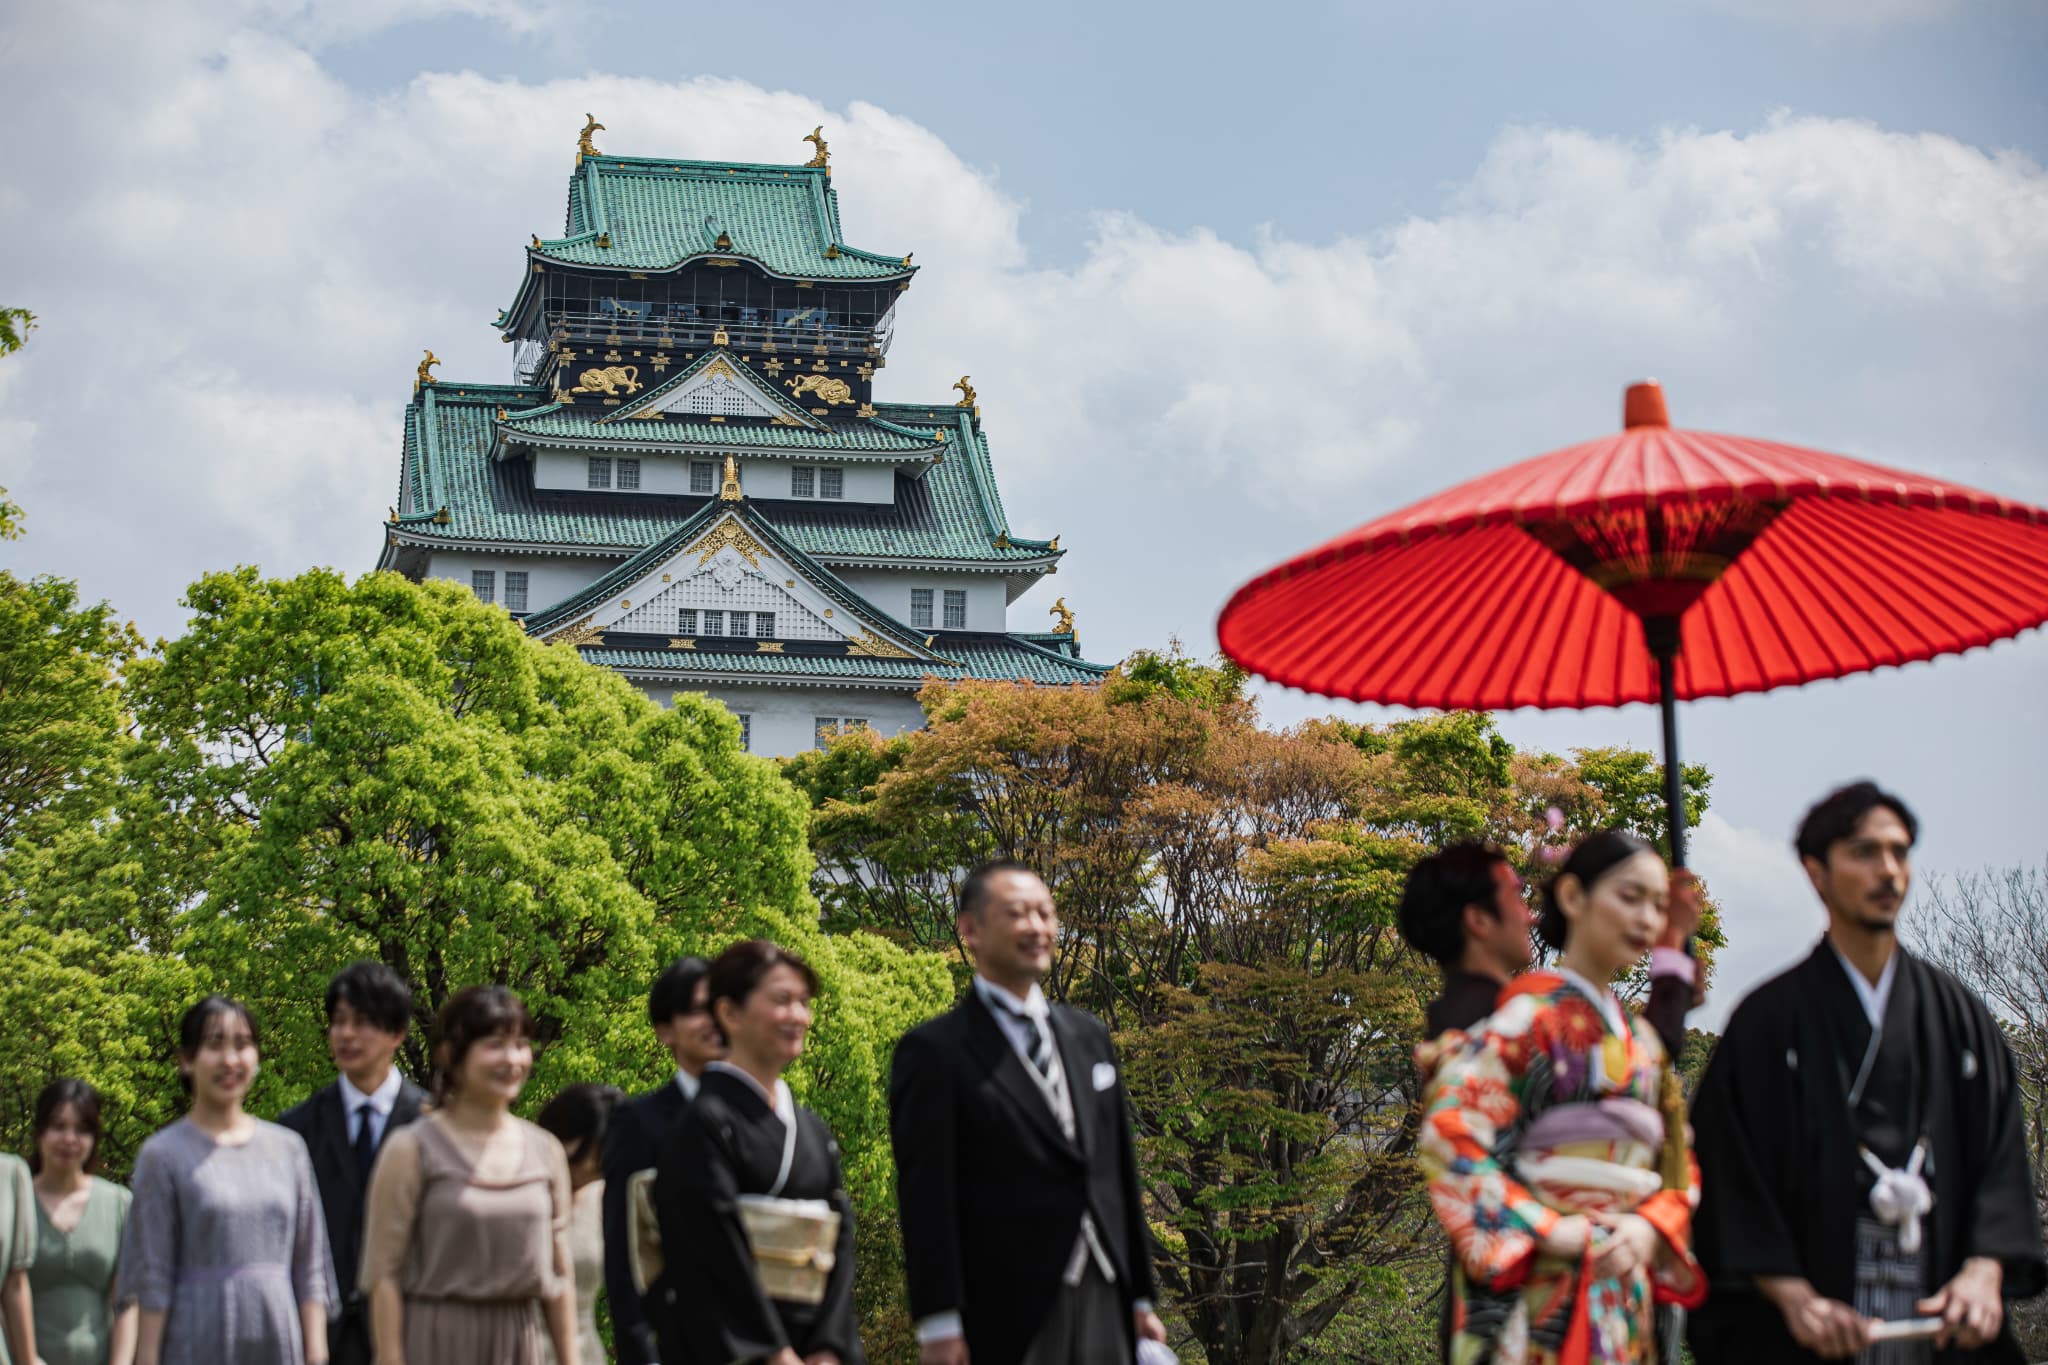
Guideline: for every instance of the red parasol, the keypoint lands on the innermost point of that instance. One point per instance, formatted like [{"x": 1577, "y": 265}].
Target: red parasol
[{"x": 1654, "y": 565}]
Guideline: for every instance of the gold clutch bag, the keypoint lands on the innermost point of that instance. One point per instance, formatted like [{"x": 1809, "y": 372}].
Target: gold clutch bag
[
  {"x": 643, "y": 1232},
  {"x": 794, "y": 1243}
]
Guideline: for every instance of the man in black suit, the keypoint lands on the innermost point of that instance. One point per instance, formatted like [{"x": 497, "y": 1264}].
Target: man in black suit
[
  {"x": 1024, "y": 1233},
  {"x": 344, "y": 1125},
  {"x": 639, "y": 1127}
]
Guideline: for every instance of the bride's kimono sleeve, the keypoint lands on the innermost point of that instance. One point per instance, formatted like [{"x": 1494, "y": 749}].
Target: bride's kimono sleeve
[{"x": 1495, "y": 1224}]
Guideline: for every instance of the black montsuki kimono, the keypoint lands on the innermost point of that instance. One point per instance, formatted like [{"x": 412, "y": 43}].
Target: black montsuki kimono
[
  {"x": 729, "y": 1144},
  {"x": 1782, "y": 1184}
]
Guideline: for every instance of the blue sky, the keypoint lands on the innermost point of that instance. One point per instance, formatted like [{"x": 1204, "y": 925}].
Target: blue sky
[{"x": 1229, "y": 280}]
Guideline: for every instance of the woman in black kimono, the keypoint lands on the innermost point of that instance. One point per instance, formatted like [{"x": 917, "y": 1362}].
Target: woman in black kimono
[{"x": 746, "y": 1154}]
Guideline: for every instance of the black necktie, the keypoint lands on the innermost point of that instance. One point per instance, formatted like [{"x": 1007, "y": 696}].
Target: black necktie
[{"x": 365, "y": 1144}]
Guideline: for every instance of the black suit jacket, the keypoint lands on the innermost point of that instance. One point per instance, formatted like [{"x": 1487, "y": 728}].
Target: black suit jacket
[
  {"x": 322, "y": 1120},
  {"x": 991, "y": 1192},
  {"x": 639, "y": 1128}
]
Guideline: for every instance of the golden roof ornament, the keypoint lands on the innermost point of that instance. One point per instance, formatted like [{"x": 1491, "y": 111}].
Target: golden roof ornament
[
  {"x": 729, "y": 491},
  {"x": 584, "y": 146},
  {"x": 1066, "y": 616},
  {"x": 423, "y": 377},
  {"x": 967, "y": 397},
  {"x": 816, "y": 137}
]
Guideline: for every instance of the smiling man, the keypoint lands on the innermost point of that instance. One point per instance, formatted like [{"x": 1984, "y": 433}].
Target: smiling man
[
  {"x": 1024, "y": 1234},
  {"x": 1861, "y": 1155},
  {"x": 345, "y": 1124}
]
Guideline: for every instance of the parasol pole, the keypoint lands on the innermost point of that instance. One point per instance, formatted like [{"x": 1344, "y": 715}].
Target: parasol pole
[{"x": 1660, "y": 633}]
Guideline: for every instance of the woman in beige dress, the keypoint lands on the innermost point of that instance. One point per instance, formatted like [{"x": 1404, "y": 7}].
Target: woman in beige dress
[
  {"x": 466, "y": 1241},
  {"x": 579, "y": 1117}
]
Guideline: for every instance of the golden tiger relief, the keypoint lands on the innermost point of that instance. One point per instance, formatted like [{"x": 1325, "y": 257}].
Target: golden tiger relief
[
  {"x": 832, "y": 391},
  {"x": 609, "y": 381}
]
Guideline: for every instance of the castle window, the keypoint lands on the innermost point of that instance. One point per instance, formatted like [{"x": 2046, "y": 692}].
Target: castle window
[
  {"x": 831, "y": 483},
  {"x": 802, "y": 481},
  {"x": 686, "y": 621},
  {"x": 515, "y": 590},
  {"x": 956, "y": 609},
  {"x": 484, "y": 583},
  {"x": 703, "y": 476},
  {"x": 629, "y": 473},
  {"x": 921, "y": 608},
  {"x": 746, "y": 730},
  {"x": 764, "y": 624},
  {"x": 600, "y": 472},
  {"x": 823, "y": 728},
  {"x": 714, "y": 623}
]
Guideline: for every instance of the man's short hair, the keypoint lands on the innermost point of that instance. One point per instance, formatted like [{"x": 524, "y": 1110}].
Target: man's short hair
[
  {"x": 675, "y": 990},
  {"x": 373, "y": 991},
  {"x": 974, "y": 890},
  {"x": 1835, "y": 817},
  {"x": 1432, "y": 913}
]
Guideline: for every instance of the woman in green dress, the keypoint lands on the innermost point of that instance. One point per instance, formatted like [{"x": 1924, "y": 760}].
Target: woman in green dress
[{"x": 80, "y": 1219}]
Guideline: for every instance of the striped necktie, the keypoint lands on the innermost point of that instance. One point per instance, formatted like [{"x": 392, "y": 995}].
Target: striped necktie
[{"x": 1038, "y": 1047}]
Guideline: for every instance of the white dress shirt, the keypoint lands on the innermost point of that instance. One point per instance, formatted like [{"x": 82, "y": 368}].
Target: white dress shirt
[
  {"x": 688, "y": 1084},
  {"x": 376, "y": 1105}
]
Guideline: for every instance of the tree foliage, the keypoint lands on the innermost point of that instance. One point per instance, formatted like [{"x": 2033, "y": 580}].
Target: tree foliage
[{"x": 1227, "y": 896}]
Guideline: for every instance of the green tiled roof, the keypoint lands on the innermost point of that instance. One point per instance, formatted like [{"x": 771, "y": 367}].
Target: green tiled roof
[
  {"x": 952, "y": 513},
  {"x": 657, "y": 215},
  {"x": 581, "y": 426},
  {"x": 993, "y": 657}
]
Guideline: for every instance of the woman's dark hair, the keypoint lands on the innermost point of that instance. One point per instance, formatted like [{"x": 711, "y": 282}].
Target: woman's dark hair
[
  {"x": 580, "y": 1116},
  {"x": 1432, "y": 913},
  {"x": 675, "y": 990},
  {"x": 739, "y": 970},
  {"x": 193, "y": 1026},
  {"x": 471, "y": 1015},
  {"x": 1597, "y": 855},
  {"x": 375, "y": 992},
  {"x": 1835, "y": 817},
  {"x": 85, "y": 1104}
]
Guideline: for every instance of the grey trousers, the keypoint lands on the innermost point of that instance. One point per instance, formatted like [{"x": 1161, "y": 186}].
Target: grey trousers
[{"x": 1088, "y": 1325}]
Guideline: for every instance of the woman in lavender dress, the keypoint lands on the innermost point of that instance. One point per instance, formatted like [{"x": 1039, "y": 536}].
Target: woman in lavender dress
[{"x": 226, "y": 1250}]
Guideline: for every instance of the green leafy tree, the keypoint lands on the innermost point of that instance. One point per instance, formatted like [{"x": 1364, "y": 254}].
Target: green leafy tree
[{"x": 60, "y": 704}]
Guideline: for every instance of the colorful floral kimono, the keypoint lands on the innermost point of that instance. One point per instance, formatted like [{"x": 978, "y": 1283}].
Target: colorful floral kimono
[{"x": 1545, "y": 1110}]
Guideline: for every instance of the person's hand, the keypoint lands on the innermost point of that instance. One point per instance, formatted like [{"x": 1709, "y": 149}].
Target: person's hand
[
  {"x": 1829, "y": 1328},
  {"x": 1682, "y": 909},
  {"x": 1150, "y": 1328},
  {"x": 1969, "y": 1306},
  {"x": 822, "y": 1358},
  {"x": 1630, "y": 1242},
  {"x": 1568, "y": 1237},
  {"x": 786, "y": 1356},
  {"x": 951, "y": 1351}
]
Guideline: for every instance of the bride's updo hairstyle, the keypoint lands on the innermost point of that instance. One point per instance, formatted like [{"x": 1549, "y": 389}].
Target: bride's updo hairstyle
[{"x": 1597, "y": 855}]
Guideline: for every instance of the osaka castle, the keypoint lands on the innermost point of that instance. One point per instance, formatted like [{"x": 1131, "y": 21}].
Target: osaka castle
[{"x": 692, "y": 479}]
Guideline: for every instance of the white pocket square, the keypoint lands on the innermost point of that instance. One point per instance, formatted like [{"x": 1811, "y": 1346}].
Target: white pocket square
[{"x": 1105, "y": 1075}]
